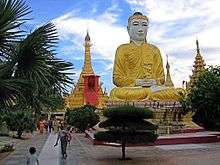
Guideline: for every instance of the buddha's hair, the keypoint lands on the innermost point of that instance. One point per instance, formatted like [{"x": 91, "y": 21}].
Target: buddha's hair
[{"x": 137, "y": 15}]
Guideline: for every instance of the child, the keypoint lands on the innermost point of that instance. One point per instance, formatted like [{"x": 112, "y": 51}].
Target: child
[{"x": 32, "y": 158}]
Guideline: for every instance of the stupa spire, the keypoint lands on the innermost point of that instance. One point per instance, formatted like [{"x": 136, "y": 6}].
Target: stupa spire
[
  {"x": 87, "y": 38},
  {"x": 198, "y": 67},
  {"x": 197, "y": 46},
  {"x": 168, "y": 81},
  {"x": 87, "y": 68}
]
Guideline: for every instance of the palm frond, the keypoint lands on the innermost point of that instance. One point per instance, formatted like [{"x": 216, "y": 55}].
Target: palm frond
[
  {"x": 11, "y": 90},
  {"x": 11, "y": 18},
  {"x": 33, "y": 53}
]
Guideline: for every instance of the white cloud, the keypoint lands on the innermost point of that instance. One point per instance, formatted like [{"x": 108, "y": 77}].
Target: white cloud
[{"x": 104, "y": 36}]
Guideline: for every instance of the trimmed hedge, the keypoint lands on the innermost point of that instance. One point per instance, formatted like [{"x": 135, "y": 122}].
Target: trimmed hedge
[
  {"x": 128, "y": 123},
  {"x": 130, "y": 137},
  {"x": 128, "y": 112}
]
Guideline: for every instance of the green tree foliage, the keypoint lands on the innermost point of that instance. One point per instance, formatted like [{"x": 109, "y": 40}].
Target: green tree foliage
[
  {"x": 30, "y": 74},
  {"x": 82, "y": 118},
  {"x": 20, "y": 121},
  {"x": 126, "y": 125},
  {"x": 205, "y": 98},
  {"x": 185, "y": 103}
]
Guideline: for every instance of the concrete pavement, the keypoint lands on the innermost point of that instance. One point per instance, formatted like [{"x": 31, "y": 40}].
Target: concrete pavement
[{"x": 82, "y": 152}]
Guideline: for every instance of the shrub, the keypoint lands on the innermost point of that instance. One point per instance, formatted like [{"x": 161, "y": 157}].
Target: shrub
[
  {"x": 82, "y": 118},
  {"x": 6, "y": 148}
]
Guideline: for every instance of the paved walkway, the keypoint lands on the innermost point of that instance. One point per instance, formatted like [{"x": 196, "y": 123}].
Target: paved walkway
[
  {"x": 82, "y": 152},
  {"x": 49, "y": 153},
  {"x": 18, "y": 157}
]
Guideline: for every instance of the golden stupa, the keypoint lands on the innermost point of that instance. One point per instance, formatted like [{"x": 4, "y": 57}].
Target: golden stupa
[
  {"x": 198, "y": 67},
  {"x": 76, "y": 98}
]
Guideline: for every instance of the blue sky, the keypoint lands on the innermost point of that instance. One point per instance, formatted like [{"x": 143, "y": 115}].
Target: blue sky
[{"x": 174, "y": 27}]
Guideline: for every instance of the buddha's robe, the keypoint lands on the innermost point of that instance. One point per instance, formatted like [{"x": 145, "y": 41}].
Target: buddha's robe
[{"x": 134, "y": 62}]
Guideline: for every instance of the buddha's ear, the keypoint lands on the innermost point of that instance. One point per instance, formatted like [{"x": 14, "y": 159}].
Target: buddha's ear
[{"x": 128, "y": 30}]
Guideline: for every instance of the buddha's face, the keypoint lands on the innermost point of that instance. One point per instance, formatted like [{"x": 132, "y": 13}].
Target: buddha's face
[{"x": 137, "y": 29}]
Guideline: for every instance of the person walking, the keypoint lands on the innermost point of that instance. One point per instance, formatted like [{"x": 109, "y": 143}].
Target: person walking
[
  {"x": 50, "y": 125},
  {"x": 32, "y": 158},
  {"x": 41, "y": 125},
  {"x": 64, "y": 137},
  {"x": 55, "y": 125}
]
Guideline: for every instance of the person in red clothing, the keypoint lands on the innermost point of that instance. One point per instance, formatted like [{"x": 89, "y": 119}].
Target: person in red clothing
[{"x": 41, "y": 126}]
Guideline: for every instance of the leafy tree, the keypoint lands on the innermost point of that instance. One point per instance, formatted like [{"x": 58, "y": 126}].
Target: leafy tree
[
  {"x": 205, "y": 98},
  {"x": 83, "y": 117},
  {"x": 20, "y": 121},
  {"x": 126, "y": 125},
  {"x": 185, "y": 103}
]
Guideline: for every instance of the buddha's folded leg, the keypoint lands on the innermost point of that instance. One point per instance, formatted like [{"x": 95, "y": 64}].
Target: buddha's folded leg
[
  {"x": 170, "y": 94},
  {"x": 129, "y": 94}
]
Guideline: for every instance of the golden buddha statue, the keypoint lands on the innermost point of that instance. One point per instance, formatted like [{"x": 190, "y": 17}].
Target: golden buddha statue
[{"x": 138, "y": 68}]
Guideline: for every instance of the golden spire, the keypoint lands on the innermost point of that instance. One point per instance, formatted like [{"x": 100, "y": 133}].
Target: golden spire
[
  {"x": 198, "y": 67},
  {"x": 168, "y": 81},
  {"x": 87, "y": 68}
]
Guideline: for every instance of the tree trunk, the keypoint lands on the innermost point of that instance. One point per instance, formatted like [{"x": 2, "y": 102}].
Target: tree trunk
[
  {"x": 19, "y": 133},
  {"x": 123, "y": 149}
]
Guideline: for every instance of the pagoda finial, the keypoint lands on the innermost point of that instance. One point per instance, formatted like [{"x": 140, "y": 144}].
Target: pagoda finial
[
  {"x": 87, "y": 38},
  {"x": 168, "y": 65},
  {"x": 197, "y": 46},
  {"x": 168, "y": 81}
]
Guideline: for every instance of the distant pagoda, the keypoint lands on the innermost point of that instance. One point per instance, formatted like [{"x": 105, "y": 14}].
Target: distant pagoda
[
  {"x": 78, "y": 95},
  {"x": 198, "y": 67},
  {"x": 168, "y": 82}
]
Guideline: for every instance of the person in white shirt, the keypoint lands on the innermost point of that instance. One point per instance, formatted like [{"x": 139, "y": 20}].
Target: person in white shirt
[{"x": 32, "y": 158}]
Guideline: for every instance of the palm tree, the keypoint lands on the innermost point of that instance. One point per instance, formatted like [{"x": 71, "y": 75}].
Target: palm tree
[
  {"x": 37, "y": 73},
  {"x": 11, "y": 18}
]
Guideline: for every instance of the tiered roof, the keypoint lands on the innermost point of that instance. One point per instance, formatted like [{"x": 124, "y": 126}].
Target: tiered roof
[{"x": 198, "y": 67}]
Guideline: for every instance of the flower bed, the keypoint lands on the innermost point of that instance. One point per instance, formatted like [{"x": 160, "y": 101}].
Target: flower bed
[{"x": 6, "y": 147}]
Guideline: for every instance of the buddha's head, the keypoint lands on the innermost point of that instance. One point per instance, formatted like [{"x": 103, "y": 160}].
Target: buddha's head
[{"x": 137, "y": 27}]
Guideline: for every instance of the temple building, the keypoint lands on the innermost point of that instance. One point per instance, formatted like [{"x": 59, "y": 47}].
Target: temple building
[
  {"x": 199, "y": 65},
  {"x": 88, "y": 89}
]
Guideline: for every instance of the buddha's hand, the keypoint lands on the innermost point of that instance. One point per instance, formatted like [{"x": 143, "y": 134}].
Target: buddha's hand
[
  {"x": 152, "y": 82},
  {"x": 145, "y": 82},
  {"x": 139, "y": 82}
]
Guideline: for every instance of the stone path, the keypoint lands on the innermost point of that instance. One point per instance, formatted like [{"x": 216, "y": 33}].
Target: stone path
[
  {"x": 49, "y": 153},
  {"x": 18, "y": 157},
  {"x": 82, "y": 152}
]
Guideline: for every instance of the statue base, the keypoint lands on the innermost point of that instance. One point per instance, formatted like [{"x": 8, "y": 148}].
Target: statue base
[{"x": 166, "y": 114}]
